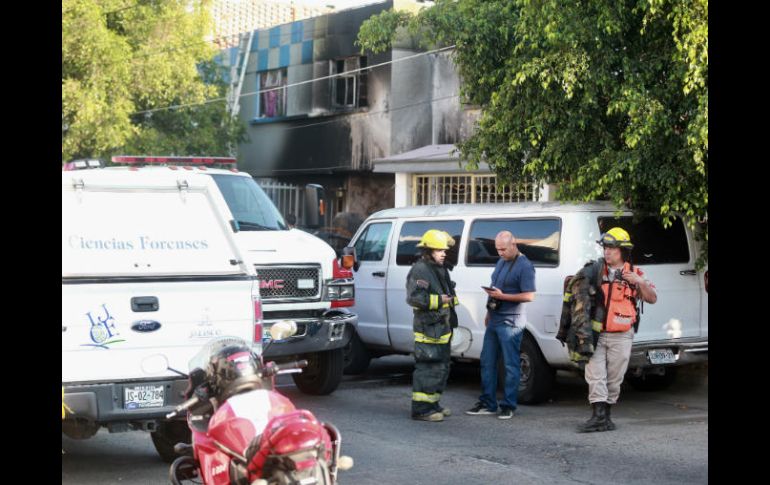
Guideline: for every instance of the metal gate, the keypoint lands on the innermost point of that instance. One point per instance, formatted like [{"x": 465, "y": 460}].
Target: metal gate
[
  {"x": 468, "y": 189},
  {"x": 290, "y": 199}
]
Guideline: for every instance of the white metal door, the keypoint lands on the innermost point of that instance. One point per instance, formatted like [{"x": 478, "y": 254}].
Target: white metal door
[{"x": 372, "y": 250}]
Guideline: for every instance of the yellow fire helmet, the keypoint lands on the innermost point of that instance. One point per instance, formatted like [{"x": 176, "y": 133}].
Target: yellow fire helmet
[
  {"x": 434, "y": 239},
  {"x": 616, "y": 238},
  {"x": 449, "y": 239}
]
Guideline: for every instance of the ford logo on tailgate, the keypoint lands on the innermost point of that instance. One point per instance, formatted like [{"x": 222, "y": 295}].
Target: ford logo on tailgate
[{"x": 145, "y": 326}]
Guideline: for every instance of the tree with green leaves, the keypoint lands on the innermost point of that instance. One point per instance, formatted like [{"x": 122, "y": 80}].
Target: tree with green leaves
[
  {"x": 608, "y": 99},
  {"x": 124, "y": 63}
]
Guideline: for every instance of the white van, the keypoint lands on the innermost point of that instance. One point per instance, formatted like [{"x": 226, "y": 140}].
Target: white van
[
  {"x": 149, "y": 265},
  {"x": 300, "y": 276},
  {"x": 559, "y": 239}
]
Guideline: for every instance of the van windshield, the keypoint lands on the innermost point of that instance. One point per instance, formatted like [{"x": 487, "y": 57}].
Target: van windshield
[{"x": 251, "y": 207}]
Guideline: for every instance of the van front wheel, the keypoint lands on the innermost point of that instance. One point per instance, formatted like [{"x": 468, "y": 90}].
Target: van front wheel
[
  {"x": 357, "y": 356},
  {"x": 322, "y": 374}
]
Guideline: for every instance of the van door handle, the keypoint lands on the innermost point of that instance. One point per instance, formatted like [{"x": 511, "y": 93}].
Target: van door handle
[
  {"x": 688, "y": 272},
  {"x": 381, "y": 274},
  {"x": 145, "y": 304}
]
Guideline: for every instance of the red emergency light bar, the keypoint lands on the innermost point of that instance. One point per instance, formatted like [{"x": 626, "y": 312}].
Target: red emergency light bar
[{"x": 207, "y": 161}]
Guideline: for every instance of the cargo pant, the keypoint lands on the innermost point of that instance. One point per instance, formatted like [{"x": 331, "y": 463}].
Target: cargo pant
[
  {"x": 431, "y": 369},
  {"x": 604, "y": 372}
]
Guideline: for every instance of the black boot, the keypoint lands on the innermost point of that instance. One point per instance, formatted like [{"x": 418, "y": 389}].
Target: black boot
[
  {"x": 610, "y": 424},
  {"x": 598, "y": 421}
]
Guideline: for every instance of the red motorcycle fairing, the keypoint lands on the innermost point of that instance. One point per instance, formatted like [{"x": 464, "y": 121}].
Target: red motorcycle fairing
[
  {"x": 213, "y": 463},
  {"x": 244, "y": 416},
  {"x": 298, "y": 436}
]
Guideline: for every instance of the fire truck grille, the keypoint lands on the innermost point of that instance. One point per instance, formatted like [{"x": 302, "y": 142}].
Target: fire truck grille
[{"x": 289, "y": 282}]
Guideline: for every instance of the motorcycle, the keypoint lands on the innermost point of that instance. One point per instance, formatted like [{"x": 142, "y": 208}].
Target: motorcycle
[{"x": 243, "y": 431}]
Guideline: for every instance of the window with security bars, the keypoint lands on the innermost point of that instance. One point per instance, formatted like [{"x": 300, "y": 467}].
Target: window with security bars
[{"x": 469, "y": 189}]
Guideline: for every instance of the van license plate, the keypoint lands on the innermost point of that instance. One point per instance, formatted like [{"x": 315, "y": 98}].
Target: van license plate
[
  {"x": 140, "y": 397},
  {"x": 661, "y": 356}
]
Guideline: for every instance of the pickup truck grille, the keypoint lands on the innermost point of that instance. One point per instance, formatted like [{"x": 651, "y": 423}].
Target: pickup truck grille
[{"x": 281, "y": 283}]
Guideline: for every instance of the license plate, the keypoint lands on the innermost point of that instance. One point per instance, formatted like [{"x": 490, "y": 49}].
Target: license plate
[
  {"x": 305, "y": 284},
  {"x": 661, "y": 356},
  {"x": 140, "y": 397}
]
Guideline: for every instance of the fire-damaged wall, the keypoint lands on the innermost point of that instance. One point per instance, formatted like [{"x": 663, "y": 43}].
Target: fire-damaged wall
[
  {"x": 369, "y": 193},
  {"x": 320, "y": 136}
]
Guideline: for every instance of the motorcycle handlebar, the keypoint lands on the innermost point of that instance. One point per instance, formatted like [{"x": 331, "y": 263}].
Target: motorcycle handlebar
[
  {"x": 273, "y": 369},
  {"x": 183, "y": 407},
  {"x": 292, "y": 365}
]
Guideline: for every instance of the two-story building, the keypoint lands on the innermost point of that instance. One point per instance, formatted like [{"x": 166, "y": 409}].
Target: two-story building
[{"x": 320, "y": 111}]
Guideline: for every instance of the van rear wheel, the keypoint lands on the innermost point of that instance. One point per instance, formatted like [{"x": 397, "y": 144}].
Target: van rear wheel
[
  {"x": 537, "y": 377},
  {"x": 322, "y": 374}
]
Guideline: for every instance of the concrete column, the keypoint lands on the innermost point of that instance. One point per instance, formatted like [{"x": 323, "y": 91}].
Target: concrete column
[{"x": 403, "y": 191}]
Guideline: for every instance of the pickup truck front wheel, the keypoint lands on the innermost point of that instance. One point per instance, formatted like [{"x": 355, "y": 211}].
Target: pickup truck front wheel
[{"x": 322, "y": 374}]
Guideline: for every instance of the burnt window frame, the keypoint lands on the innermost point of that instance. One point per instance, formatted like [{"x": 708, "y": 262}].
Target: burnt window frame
[{"x": 359, "y": 81}]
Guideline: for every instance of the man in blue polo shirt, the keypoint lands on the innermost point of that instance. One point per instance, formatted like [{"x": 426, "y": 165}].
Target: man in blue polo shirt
[{"x": 513, "y": 284}]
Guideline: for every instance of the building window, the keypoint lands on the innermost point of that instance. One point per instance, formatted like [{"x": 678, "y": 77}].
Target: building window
[
  {"x": 272, "y": 102},
  {"x": 349, "y": 91},
  {"x": 469, "y": 189}
]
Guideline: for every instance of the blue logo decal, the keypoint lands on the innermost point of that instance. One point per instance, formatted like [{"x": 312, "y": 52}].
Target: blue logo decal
[{"x": 103, "y": 331}]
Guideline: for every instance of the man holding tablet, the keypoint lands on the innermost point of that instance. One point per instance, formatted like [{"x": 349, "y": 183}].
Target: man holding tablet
[{"x": 513, "y": 284}]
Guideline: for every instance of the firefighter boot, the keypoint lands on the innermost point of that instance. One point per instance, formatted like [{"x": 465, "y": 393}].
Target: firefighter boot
[
  {"x": 445, "y": 411},
  {"x": 429, "y": 416},
  {"x": 610, "y": 424},
  {"x": 598, "y": 421}
]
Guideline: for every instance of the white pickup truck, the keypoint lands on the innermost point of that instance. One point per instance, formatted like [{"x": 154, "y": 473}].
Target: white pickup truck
[{"x": 149, "y": 264}]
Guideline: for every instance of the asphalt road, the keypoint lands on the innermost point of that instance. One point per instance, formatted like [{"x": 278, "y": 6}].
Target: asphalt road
[{"x": 661, "y": 437}]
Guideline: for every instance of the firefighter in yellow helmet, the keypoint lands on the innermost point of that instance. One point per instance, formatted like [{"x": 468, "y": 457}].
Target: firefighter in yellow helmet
[
  {"x": 430, "y": 292},
  {"x": 612, "y": 317}
]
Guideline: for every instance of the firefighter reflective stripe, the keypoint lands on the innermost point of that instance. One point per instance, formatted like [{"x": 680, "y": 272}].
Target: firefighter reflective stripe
[
  {"x": 576, "y": 357},
  {"x": 424, "y": 339},
  {"x": 567, "y": 296},
  {"x": 64, "y": 407},
  {"x": 422, "y": 397},
  {"x": 456, "y": 301},
  {"x": 433, "y": 302},
  {"x": 597, "y": 326}
]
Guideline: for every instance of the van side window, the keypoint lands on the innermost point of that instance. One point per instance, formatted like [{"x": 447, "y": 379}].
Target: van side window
[
  {"x": 538, "y": 239},
  {"x": 411, "y": 233},
  {"x": 371, "y": 245},
  {"x": 652, "y": 243}
]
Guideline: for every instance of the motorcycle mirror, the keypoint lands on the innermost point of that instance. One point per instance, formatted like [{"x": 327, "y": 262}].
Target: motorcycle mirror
[
  {"x": 154, "y": 364},
  {"x": 283, "y": 329}
]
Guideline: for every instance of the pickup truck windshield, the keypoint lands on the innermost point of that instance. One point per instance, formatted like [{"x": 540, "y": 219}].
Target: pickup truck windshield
[{"x": 251, "y": 207}]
